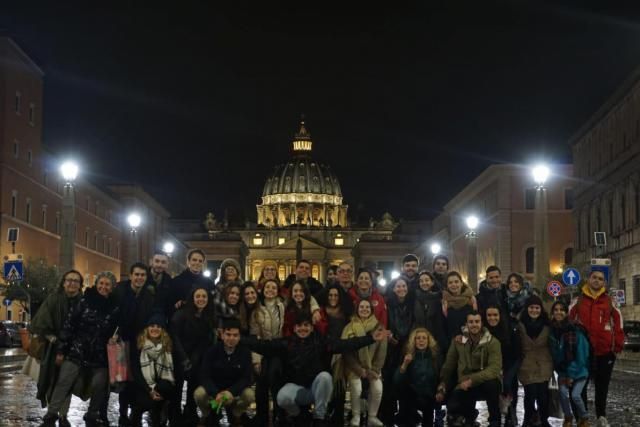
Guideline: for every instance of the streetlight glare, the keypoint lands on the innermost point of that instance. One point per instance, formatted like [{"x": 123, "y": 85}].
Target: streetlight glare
[
  {"x": 168, "y": 247},
  {"x": 472, "y": 222},
  {"x": 206, "y": 273},
  {"x": 69, "y": 171},
  {"x": 435, "y": 248},
  {"x": 540, "y": 174},
  {"x": 134, "y": 220},
  {"x": 395, "y": 274},
  {"x": 382, "y": 282}
]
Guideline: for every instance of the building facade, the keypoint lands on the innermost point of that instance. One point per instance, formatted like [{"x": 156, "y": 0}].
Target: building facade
[
  {"x": 31, "y": 188},
  {"x": 606, "y": 152},
  {"x": 503, "y": 199}
]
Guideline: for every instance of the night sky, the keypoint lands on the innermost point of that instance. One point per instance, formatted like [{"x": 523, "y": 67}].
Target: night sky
[{"x": 199, "y": 103}]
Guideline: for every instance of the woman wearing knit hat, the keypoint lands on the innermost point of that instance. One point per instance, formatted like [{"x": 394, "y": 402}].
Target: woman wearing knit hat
[{"x": 537, "y": 366}]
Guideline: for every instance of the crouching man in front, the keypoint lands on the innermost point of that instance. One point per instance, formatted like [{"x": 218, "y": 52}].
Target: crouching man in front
[
  {"x": 306, "y": 357},
  {"x": 476, "y": 358},
  {"x": 225, "y": 377}
]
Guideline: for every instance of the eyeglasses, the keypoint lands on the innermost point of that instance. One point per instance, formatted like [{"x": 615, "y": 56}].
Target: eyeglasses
[{"x": 72, "y": 281}]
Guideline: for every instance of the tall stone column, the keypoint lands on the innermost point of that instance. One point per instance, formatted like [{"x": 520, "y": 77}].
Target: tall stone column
[{"x": 541, "y": 238}]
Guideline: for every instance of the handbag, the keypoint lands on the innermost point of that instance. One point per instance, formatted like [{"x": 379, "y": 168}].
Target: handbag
[
  {"x": 118, "y": 357},
  {"x": 554, "y": 408},
  {"x": 37, "y": 346}
]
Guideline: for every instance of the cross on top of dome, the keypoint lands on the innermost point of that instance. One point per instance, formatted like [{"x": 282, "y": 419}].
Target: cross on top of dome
[{"x": 302, "y": 140}]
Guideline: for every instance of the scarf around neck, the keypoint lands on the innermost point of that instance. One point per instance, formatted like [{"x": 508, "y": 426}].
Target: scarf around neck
[
  {"x": 458, "y": 301},
  {"x": 155, "y": 363}
]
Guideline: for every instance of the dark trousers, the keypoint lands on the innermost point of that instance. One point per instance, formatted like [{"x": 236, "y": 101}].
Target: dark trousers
[
  {"x": 336, "y": 405},
  {"x": 464, "y": 402},
  {"x": 389, "y": 403},
  {"x": 602, "y": 368},
  {"x": 411, "y": 403},
  {"x": 144, "y": 403},
  {"x": 536, "y": 397},
  {"x": 269, "y": 380},
  {"x": 176, "y": 414}
]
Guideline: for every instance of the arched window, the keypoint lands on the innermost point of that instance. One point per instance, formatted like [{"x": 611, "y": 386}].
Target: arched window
[
  {"x": 529, "y": 259},
  {"x": 568, "y": 256}
]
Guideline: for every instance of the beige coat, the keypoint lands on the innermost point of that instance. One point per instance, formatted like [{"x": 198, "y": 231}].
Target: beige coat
[
  {"x": 370, "y": 357},
  {"x": 537, "y": 365},
  {"x": 266, "y": 326}
]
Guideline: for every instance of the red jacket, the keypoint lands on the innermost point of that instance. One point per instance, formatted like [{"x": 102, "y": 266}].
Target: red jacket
[
  {"x": 601, "y": 318},
  {"x": 377, "y": 301}
]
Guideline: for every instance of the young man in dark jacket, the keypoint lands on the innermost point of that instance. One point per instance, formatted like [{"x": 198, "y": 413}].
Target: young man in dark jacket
[
  {"x": 303, "y": 272},
  {"x": 306, "y": 359},
  {"x": 191, "y": 277},
  {"x": 492, "y": 292},
  {"x": 225, "y": 376},
  {"x": 162, "y": 282}
]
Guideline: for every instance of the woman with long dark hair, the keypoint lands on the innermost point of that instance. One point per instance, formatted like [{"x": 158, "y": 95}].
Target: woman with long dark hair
[
  {"x": 193, "y": 330},
  {"x": 457, "y": 302},
  {"x": 266, "y": 323},
  {"x": 517, "y": 292},
  {"x": 537, "y": 366},
  {"x": 301, "y": 301},
  {"x": 247, "y": 306},
  {"x": 507, "y": 333}
]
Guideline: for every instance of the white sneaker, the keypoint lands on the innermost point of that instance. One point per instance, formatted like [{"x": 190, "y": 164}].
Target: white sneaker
[
  {"x": 355, "y": 421},
  {"x": 602, "y": 422},
  {"x": 374, "y": 421}
]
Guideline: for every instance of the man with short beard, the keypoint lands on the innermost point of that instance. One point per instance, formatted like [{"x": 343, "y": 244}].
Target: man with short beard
[
  {"x": 303, "y": 272},
  {"x": 161, "y": 281},
  {"x": 440, "y": 271},
  {"x": 491, "y": 291},
  {"x": 475, "y": 361},
  {"x": 410, "y": 264}
]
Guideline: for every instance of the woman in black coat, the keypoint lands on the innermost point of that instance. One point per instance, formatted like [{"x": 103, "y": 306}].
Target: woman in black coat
[
  {"x": 192, "y": 331},
  {"x": 83, "y": 350}
]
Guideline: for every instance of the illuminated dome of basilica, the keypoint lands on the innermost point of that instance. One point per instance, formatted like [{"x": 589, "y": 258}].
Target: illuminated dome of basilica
[{"x": 302, "y": 191}]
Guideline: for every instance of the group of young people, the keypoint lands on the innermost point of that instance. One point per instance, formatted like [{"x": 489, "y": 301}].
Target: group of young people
[{"x": 420, "y": 351}]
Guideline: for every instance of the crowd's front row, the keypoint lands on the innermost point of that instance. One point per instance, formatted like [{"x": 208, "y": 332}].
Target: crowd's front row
[{"x": 309, "y": 352}]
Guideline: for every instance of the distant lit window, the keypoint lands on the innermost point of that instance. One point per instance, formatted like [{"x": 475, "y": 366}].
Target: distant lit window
[
  {"x": 257, "y": 239},
  {"x": 28, "y": 212},
  {"x": 530, "y": 198},
  {"x": 14, "y": 203},
  {"x": 338, "y": 240},
  {"x": 281, "y": 240},
  {"x": 44, "y": 216},
  {"x": 18, "y": 102},
  {"x": 315, "y": 271},
  {"x": 529, "y": 257},
  {"x": 32, "y": 114}
]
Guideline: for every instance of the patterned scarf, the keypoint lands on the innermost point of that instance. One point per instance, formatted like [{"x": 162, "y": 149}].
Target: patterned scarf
[{"x": 155, "y": 364}]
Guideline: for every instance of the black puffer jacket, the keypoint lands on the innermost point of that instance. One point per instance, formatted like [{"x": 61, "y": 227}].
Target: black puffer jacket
[
  {"x": 186, "y": 282},
  {"x": 88, "y": 328},
  {"x": 191, "y": 336},
  {"x": 489, "y": 296},
  {"x": 428, "y": 314},
  {"x": 304, "y": 358}
]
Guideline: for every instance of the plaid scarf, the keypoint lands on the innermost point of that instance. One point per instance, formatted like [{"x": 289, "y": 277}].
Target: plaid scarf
[{"x": 155, "y": 364}]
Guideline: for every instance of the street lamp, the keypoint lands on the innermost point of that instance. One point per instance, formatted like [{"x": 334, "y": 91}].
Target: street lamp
[
  {"x": 69, "y": 172},
  {"x": 134, "y": 221},
  {"x": 540, "y": 175},
  {"x": 168, "y": 248},
  {"x": 472, "y": 251},
  {"x": 435, "y": 249}
]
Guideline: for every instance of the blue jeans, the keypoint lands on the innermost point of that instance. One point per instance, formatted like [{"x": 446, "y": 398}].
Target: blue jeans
[
  {"x": 292, "y": 396},
  {"x": 573, "y": 393}
]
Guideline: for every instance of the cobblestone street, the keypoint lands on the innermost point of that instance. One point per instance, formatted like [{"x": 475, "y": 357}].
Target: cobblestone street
[{"x": 18, "y": 407}]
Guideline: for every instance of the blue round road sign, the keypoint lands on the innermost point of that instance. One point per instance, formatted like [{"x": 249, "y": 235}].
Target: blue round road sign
[{"x": 571, "y": 277}]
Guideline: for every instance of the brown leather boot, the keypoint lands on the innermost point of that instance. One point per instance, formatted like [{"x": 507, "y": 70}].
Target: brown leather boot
[
  {"x": 568, "y": 421},
  {"x": 583, "y": 422}
]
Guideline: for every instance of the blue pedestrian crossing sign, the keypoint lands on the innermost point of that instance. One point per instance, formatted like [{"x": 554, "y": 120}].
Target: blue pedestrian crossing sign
[
  {"x": 571, "y": 277},
  {"x": 13, "y": 270}
]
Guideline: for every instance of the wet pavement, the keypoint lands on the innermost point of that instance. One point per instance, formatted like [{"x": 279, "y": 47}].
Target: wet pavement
[{"x": 18, "y": 406}]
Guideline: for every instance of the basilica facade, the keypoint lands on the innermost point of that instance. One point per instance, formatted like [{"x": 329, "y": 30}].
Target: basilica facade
[{"x": 302, "y": 214}]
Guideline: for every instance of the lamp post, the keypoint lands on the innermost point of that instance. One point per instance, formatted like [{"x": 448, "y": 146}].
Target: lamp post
[
  {"x": 134, "y": 221},
  {"x": 472, "y": 251},
  {"x": 69, "y": 172},
  {"x": 541, "y": 227}
]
